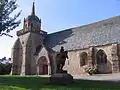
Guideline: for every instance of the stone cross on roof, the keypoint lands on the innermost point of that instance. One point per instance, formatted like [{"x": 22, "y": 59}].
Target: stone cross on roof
[{"x": 33, "y": 8}]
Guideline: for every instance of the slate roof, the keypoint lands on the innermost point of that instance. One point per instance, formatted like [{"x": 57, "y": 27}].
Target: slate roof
[{"x": 98, "y": 33}]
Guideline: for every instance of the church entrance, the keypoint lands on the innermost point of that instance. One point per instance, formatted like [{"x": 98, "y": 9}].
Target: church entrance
[
  {"x": 42, "y": 66},
  {"x": 101, "y": 61},
  {"x": 45, "y": 69}
]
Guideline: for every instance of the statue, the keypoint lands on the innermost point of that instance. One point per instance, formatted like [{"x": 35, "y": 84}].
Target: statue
[
  {"x": 61, "y": 76},
  {"x": 60, "y": 59}
]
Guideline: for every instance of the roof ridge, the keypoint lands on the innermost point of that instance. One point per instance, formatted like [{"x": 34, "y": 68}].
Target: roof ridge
[{"x": 97, "y": 22}]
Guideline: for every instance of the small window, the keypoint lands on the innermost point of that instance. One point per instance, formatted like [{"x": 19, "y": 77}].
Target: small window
[
  {"x": 26, "y": 25},
  {"x": 22, "y": 42},
  {"x": 68, "y": 62},
  {"x": 38, "y": 49},
  {"x": 83, "y": 59}
]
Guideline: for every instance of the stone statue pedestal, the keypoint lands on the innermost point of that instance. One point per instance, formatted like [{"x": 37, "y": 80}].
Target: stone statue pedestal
[
  {"x": 61, "y": 78},
  {"x": 61, "y": 71}
]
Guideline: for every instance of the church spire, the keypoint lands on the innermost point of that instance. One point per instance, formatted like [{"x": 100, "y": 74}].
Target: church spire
[{"x": 33, "y": 9}]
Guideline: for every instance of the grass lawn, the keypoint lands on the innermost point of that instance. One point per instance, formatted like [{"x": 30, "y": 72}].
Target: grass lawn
[{"x": 40, "y": 83}]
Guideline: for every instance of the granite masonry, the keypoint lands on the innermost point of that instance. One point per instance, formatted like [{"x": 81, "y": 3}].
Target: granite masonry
[{"x": 96, "y": 44}]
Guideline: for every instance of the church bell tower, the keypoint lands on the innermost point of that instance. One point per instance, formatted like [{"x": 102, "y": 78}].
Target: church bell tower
[
  {"x": 30, "y": 37},
  {"x": 31, "y": 24}
]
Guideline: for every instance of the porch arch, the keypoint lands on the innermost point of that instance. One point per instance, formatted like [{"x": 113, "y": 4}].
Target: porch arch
[
  {"x": 101, "y": 57},
  {"x": 101, "y": 60},
  {"x": 42, "y": 66}
]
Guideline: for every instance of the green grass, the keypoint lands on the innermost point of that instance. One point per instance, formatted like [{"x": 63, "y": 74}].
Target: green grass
[{"x": 40, "y": 83}]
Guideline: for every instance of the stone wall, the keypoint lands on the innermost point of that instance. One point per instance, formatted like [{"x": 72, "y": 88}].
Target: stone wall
[
  {"x": 23, "y": 56},
  {"x": 73, "y": 63},
  {"x": 16, "y": 57},
  {"x": 118, "y": 53}
]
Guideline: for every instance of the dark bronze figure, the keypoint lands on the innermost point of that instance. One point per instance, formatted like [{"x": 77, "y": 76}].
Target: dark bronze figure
[
  {"x": 60, "y": 59},
  {"x": 61, "y": 76}
]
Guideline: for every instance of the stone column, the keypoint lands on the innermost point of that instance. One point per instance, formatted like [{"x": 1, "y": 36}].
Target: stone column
[
  {"x": 90, "y": 56},
  {"x": 115, "y": 60},
  {"x": 53, "y": 63},
  {"x": 23, "y": 63},
  {"x": 23, "y": 68},
  {"x": 49, "y": 69}
]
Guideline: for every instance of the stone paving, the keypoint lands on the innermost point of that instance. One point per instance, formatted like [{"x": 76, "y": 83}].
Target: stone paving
[{"x": 104, "y": 77}]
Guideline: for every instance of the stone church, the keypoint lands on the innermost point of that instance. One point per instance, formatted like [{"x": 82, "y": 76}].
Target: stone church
[{"x": 95, "y": 44}]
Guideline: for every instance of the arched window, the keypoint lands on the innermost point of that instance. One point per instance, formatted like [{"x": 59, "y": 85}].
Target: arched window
[
  {"x": 38, "y": 48},
  {"x": 26, "y": 25},
  {"x": 101, "y": 57},
  {"x": 83, "y": 59}
]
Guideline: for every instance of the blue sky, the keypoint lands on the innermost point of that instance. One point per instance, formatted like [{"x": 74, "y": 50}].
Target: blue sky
[{"x": 58, "y": 15}]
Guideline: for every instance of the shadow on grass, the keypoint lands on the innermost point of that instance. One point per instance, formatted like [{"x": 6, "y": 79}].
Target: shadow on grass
[
  {"x": 40, "y": 83},
  {"x": 6, "y": 87}
]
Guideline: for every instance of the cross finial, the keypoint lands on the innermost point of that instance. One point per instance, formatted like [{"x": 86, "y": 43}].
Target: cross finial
[{"x": 33, "y": 8}]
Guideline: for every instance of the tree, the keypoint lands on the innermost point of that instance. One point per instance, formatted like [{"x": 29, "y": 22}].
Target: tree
[
  {"x": 5, "y": 66},
  {"x": 7, "y": 21}
]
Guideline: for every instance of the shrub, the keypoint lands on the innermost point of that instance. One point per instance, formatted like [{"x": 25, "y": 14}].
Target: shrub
[{"x": 91, "y": 70}]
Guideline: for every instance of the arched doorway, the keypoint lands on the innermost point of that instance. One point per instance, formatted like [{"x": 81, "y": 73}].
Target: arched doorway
[
  {"x": 101, "y": 57},
  {"x": 42, "y": 66},
  {"x": 101, "y": 60},
  {"x": 83, "y": 59}
]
